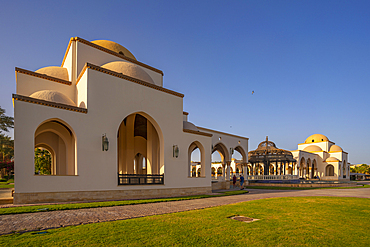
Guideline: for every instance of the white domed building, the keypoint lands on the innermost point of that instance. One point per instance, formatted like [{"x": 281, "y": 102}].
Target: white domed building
[
  {"x": 318, "y": 157},
  {"x": 111, "y": 128}
]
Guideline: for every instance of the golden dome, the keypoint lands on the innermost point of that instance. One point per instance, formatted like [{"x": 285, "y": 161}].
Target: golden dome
[
  {"x": 54, "y": 71},
  {"x": 316, "y": 138},
  {"x": 129, "y": 69},
  {"x": 113, "y": 46},
  {"x": 312, "y": 148},
  {"x": 331, "y": 159},
  {"x": 335, "y": 148},
  {"x": 52, "y": 96}
]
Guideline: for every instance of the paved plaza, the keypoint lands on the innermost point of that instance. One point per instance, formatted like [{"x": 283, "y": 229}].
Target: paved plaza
[{"x": 56, "y": 219}]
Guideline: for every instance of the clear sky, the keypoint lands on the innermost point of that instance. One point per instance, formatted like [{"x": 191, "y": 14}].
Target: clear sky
[{"x": 308, "y": 62}]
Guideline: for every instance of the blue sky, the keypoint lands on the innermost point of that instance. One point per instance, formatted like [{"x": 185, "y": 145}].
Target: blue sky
[{"x": 308, "y": 62}]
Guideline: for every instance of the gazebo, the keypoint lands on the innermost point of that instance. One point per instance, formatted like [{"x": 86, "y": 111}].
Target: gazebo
[{"x": 269, "y": 160}]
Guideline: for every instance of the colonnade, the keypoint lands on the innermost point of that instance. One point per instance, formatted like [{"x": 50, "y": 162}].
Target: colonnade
[{"x": 278, "y": 168}]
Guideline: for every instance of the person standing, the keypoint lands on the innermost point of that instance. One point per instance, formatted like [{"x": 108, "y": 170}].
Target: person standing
[
  {"x": 241, "y": 182},
  {"x": 234, "y": 181}
]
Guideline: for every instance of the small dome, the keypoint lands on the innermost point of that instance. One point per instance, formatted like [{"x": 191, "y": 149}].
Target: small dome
[
  {"x": 316, "y": 138},
  {"x": 331, "y": 159},
  {"x": 312, "y": 148},
  {"x": 129, "y": 69},
  {"x": 113, "y": 46},
  {"x": 335, "y": 148},
  {"x": 53, "y": 96},
  {"x": 54, "y": 71},
  {"x": 189, "y": 126}
]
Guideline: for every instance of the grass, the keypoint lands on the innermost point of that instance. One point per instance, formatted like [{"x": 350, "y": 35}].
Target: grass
[
  {"x": 4, "y": 183},
  {"x": 69, "y": 206},
  {"x": 305, "y": 188},
  {"x": 303, "y": 221}
]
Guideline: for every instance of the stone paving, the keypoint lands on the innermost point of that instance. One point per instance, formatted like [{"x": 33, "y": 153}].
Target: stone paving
[{"x": 56, "y": 219}]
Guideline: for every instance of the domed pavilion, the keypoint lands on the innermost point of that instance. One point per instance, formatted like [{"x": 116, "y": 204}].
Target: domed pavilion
[{"x": 267, "y": 159}]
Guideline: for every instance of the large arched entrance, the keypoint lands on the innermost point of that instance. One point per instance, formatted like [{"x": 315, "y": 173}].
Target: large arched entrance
[
  {"x": 138, "y": 151},
  {"x": 55, "y": 149}
]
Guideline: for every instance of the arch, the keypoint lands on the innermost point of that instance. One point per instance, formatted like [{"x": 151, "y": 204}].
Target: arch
[
  {"x": 242, "y": 152},
  {"x": 213, "y": 171},
  {"x": 344, "y": 169},
  {"x": 139, "y": 138},
  {"x": 53, "y": 158},
  {"x": 219, "y": 171},
  {"x": 307, "y": 175},
  {"x": 58, "y": 138},
  {"x": 314, "y": 169},
  {"x": 222, "y": 150},
  {"x": 302, "y": 165},
  {"x": 329, "y": 170},
  {"x": 194, "y": 146}
]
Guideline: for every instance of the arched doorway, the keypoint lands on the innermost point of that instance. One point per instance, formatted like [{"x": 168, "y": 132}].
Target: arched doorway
[
  {"x": 329, "y": 170},
  {"x": 138, "y": 145},
  {"x": 54, "y": 138}
]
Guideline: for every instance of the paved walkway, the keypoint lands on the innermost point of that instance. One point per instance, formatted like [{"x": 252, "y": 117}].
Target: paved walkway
[{"x": 56, "y": 219}]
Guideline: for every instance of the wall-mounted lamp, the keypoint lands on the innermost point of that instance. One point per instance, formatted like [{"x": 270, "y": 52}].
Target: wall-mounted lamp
[
  {"x": 105, "y": 142},
  {"x": 176, "y": 151}
]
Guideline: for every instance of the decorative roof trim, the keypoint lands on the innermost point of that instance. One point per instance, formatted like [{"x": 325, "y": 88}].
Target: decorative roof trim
[
  {"x": 81, "y": 74},
  {"x": 65, "y": 54},
  {"x": 122, "y": 76},
  {"x": 112, "y": 53},
  {"x": 197, "y": 132},
  {"x": 48, "y": 103},
  {"x": 223, "y": 133},
  {"x": 185, "y": 113},
  {"x": 43, "y": 76}
]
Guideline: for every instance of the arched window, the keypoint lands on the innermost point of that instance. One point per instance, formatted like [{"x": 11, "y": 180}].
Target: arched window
[
  {"x": 196, "y": 159},
  {"x": 329, "y": 170},
  {"x": 54, "y": 149}
]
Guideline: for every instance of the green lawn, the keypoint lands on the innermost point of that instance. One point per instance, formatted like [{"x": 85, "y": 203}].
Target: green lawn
[
  {"x": 304, "y": 221},
  {"x": 306, "y": 188},
  {"x": 69, "y": 206},
  {"x": 4, "y": 183}
]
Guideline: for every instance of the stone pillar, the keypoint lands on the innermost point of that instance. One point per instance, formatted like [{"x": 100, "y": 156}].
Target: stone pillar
[
  {"x": 223, "y": 171},
  {"x": 228, "y": 171}
]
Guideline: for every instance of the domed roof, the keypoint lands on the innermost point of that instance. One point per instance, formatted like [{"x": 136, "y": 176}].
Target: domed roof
[
  {"x": 316, "y": 138},
  {"x": 335, "y": 148},
  {"x": 113, "y": 46},
  {"x": 53, "y": 96},
  {"x": 189, "y": 126},
  {"x": 129, "y": 69},
  {"x": 331, "y": 159},
  {"x": 55, "y": 71},
  {"x": 312, "y": 148}
]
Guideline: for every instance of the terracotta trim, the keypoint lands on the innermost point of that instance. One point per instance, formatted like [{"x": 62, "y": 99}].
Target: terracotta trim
[
  {"x": 49, "y": 103},
  {"x": 223, "y": 133},
  {"x": 197, "y": 132},
  {"x": 122, "y": 76},
  {"x": 185, "y": 113},
  {"x": 50, "y": 78},
  {"x": 116, "y": 54},
  {"x": 65, "y": 54}
]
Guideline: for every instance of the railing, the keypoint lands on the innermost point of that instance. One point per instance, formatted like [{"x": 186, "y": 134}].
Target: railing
[
  {"x": 140, "y": 179},
  {"x": 271, "y": 177}
]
